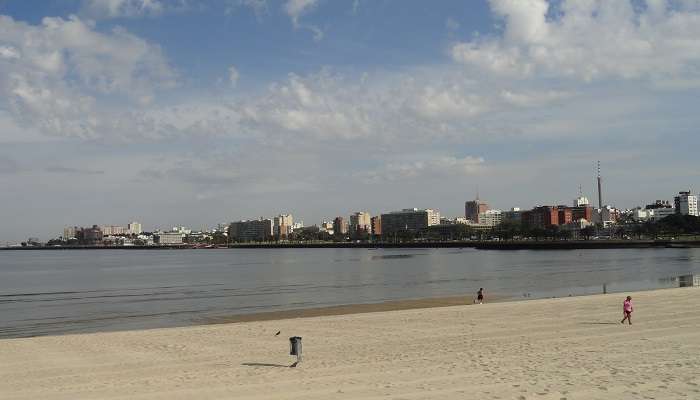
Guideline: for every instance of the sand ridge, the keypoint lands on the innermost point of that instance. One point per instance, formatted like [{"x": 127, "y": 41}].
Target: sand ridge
[{"x": 568, "y": 348}]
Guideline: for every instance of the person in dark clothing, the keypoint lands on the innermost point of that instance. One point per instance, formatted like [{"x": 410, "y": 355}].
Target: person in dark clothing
[{"x": 480, "y": 296}]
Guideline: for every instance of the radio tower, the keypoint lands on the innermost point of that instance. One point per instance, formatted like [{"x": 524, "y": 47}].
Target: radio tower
[{"x": 600, "y": 195}]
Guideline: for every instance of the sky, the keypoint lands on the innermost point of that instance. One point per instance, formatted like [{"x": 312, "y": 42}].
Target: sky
[{"x": 194, "y": 112}]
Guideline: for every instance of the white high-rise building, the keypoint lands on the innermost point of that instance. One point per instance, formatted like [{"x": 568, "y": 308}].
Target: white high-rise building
[
  {"x": 134, "y": 228},
  {"x": 686, "y": 203}
]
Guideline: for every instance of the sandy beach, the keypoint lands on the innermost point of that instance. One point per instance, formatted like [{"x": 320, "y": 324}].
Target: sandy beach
[{"x": 568, "y": 348}]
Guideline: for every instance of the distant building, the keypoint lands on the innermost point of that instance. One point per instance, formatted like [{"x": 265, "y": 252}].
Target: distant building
[
  {"x": 490, "y": 218},
  {"x": 514, "y": 215},
  {"x": 376, "y": 223},
  {"x": 583, "y": 211},
  {"x": 134, "y": 228},
  {"x": 581, "y": 201},
  {"x": 90, "y": 236},
  {"x": 606, "y": 216},
  {"x": 659, "y": 204},
  {"x": 658, "y": 214},
  {"x": 182, "y": 229},
  {"x": 473, "y": 208},
  {"x": 541, "y": 217},
  {"x": 410, "y": 219},
  {"x": 253, "y": 230},
  {"x": 70, "y": 232},
  {"x": 360, "y": 222},
  {"x": 327, "y": 226},
  {"x": 340, "y": 226},
  {"x": 283, "y": 224},
  {"x": 564, "y": 215},
  {"x": 169, "y": 238},
  {"x": 113, "y": 230},
  {"x": 686, "y": 203}
]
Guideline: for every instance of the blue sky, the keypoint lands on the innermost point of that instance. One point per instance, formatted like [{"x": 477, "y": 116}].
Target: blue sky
[{"x": 200, "y": 112}]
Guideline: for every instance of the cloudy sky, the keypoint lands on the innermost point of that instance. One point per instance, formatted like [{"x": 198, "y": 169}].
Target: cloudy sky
[{"x": 195, "y": 112}]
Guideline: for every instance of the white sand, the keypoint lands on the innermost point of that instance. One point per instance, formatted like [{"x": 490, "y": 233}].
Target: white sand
[{"x": 573, "y": 348}]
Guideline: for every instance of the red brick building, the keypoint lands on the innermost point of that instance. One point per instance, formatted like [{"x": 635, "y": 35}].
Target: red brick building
[{"x": 541, "y": 217}]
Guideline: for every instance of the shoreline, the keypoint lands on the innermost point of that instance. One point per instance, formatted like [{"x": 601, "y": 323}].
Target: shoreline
[
  {"x": 479, "y": 245},
  {"x": 356, "y": 308}
]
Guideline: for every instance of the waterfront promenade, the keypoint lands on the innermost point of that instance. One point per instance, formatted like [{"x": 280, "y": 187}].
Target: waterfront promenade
[{"x": 567, "y": 348}]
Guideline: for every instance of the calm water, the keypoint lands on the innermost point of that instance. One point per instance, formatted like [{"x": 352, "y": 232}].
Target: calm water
[{"x": 52, "y": 292}]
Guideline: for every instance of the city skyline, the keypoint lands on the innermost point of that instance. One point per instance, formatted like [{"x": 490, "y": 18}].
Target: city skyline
[{"x": 194, "y": 113}]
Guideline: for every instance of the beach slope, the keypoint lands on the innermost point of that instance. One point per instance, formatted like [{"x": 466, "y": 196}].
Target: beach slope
[{"x": 570, "y": 348}]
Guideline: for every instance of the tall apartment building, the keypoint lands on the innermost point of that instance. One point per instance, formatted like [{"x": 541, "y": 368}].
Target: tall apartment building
[
  {"x": 686, "y": 203},
  {"x": 376, "y": 222},
  {"x": 360, "y": 222},
  {"x": 70, "y": 232},
  {"x": 283, "y": 225},
  {"x": 253, "y": 230},
  {"x": 409, "y": 219},
  {"x": 134, "y": 228},
  {"x": 340, "y": 226},
  {"x": 473, "y": 208}
]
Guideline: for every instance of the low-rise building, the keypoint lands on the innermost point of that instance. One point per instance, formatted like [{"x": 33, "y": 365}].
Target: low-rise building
[
  {"x": 253, "y": 230},
  {"x": 168, "y": 238},
  {"x": 409, "y": 219},
  {"x": 490, "y": 218}
]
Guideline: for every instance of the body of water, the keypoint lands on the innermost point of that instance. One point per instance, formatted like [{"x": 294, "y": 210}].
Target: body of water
[{"x": 55, "y": 292}]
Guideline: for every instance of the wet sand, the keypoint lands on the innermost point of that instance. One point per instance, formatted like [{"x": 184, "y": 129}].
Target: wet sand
[
  {"x": 395, "y": 305},
  {"x": 566, "y": 348}
]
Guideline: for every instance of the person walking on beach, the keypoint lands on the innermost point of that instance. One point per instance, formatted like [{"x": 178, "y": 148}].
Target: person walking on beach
[
  {"x": 627, "y": 309},
  {"x": 480, "y": 296}
]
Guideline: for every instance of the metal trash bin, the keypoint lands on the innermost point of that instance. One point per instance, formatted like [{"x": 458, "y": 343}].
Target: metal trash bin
[{"x": 295, "y": 347}]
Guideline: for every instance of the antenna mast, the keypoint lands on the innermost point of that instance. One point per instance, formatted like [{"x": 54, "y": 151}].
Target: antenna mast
[{"x": 600, "y": 194}]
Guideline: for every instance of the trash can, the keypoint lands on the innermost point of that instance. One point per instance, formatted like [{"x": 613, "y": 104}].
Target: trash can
[{"x": 295, "y": 347}]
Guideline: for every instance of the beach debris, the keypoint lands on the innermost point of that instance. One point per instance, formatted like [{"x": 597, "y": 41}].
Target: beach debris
[{"x": 278, "y": 333}]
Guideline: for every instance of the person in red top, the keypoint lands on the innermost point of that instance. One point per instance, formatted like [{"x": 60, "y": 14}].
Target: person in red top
[{"x": 627, "y": 309}]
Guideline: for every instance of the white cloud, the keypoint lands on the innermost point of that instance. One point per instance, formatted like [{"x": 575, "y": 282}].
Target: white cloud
[
  {"x": 60, "y": 72},
  {"x": 589, "y": 40},
  {"x": 123, "y": 8},
  {"x": 233, "y": 76},
  {"x": 425, "y": 167},
  {"x": 296, "y": 8},
  {"x": 8, "y": 52}
]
